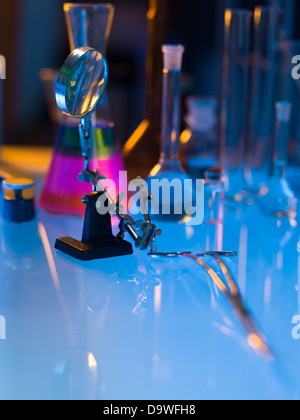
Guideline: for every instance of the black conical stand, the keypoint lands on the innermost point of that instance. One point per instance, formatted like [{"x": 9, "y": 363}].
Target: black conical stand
[{"x": 98, "y": 241}]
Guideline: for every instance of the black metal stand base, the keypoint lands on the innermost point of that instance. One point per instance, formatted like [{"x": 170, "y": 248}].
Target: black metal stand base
[
  {"x": 84, "y": 252},
  {"x": 97, "y": 241}
]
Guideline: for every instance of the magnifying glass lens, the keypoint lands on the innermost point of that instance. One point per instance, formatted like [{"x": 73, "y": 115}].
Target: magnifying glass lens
[
  {"x": 86, "y": 84},
  {"x": 81, "y": 82}
]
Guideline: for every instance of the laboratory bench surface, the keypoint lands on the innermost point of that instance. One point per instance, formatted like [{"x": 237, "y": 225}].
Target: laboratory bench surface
[{"x": 141, "y": 327}]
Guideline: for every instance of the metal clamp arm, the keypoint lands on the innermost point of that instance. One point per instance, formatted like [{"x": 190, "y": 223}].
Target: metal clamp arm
[{"x": 85, "y": 140}]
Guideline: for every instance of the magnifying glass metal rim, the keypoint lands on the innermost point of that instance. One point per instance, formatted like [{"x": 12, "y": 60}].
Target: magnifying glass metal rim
[{"x": 65, "y": 74}]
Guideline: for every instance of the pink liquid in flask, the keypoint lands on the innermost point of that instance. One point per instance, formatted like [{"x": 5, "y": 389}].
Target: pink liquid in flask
[{"x": 63, "y": 192}]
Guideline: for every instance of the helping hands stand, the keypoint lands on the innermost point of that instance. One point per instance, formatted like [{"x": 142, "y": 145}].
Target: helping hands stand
[
  {"x": 80, "y": 86},
  {"x": 98, "y": 241}
]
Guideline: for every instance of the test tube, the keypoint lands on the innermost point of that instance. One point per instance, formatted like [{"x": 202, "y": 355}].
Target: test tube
[
  {"x": 267, "y": 27},
  {"x": 235, "y": 99}
]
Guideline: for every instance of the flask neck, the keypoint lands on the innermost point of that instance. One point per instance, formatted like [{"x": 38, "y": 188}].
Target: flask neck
[
  {"x": 89, "y": 26},
  {"x": 170, "y": 115},
  {"x": 157, "y": 34}
]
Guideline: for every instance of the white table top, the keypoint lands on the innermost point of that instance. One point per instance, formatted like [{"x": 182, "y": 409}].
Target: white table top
[{"x": 142, "y": 328}]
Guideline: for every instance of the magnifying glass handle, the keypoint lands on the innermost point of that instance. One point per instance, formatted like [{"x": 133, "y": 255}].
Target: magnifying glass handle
[{"x": 85, "y": 139}]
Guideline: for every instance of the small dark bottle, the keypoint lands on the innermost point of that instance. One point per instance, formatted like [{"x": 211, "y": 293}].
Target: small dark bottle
[{"x": 18, "y": 205}]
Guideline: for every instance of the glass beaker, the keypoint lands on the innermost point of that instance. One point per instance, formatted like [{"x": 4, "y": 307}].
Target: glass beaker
[
  {"x": 235, "y": 101},
  {"x": 88, "y": 25},
  {"x": 267, "y": 33}
]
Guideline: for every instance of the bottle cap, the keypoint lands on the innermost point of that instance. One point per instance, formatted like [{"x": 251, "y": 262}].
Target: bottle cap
[
  {"x": 283, "y": 111},
  {"x": 18, "y": 200},
  {"x": 173, "y": 56},
  {"x": 18, "y": 183}
]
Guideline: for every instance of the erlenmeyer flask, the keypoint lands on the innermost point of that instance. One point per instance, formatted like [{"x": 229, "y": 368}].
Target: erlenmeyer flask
[{"x": 88, "y": 25}]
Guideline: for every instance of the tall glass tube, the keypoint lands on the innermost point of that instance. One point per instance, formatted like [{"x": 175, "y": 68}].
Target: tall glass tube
[
  {"x": 267, "y": 33},
  {"x": 235, "y": 100},
  {"x": 171, "y": 112}
]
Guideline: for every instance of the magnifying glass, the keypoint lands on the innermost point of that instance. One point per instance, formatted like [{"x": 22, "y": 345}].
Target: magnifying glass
[{"x": 80, "y": 86}]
